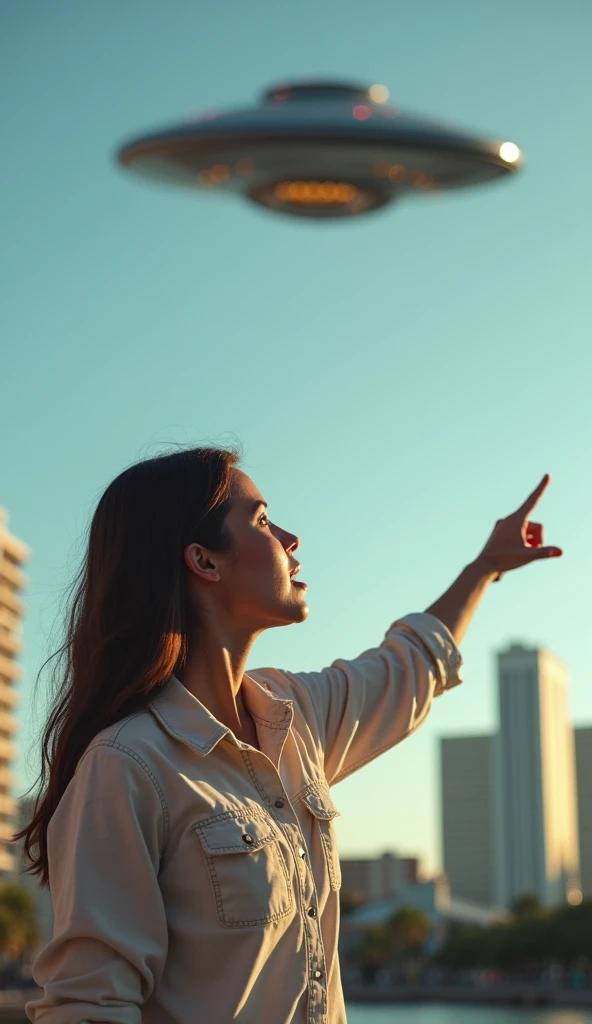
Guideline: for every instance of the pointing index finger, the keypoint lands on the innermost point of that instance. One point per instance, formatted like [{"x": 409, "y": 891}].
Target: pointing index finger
[{"x": 534, "y": 498}]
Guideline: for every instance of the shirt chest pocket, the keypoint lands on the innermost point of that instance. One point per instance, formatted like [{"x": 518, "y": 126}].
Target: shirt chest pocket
[
  {"x": 247, "y": 868},
  {"x": 320, "y": 804}
]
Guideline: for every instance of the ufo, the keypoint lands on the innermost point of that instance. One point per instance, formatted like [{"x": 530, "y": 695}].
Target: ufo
[{"x": 319, "y": 149}]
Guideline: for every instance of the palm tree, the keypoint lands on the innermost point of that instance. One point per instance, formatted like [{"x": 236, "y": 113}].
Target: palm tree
[
  {"x": 372, "y": 952},
  {"x": 527, "y": 907},
  {"x": 399, "y": 941},
  {"x": 408, "y": 928}
]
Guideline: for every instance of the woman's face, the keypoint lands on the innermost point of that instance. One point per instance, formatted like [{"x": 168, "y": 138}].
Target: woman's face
[{"x": 256, "y": 585}]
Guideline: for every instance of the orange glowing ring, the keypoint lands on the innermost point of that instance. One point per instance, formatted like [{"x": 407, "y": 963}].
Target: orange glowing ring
[
  {"x": 313, "y": 192},
  {"x": 312, "y": 197}
]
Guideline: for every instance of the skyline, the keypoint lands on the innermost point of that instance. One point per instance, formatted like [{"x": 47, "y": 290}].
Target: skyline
[
  {"x": 514, "y": 802},
  {"x": 398, "y": 383}
]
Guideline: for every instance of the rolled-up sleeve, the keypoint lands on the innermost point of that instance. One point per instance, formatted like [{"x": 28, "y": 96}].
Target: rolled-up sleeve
[
  {"x": 110, "y": 933},
  {"x": 367, "y": 705}
]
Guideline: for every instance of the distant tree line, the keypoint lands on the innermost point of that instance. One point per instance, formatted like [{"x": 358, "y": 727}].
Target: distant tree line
[{"x": 530, "y": 940}]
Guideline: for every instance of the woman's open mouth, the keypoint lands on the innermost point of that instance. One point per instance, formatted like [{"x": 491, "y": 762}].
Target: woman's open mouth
[{"x": 297, "y": 583}]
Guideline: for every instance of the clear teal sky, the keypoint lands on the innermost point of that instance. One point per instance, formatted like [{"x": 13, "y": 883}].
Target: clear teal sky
[{"x": 398, "y": 383}]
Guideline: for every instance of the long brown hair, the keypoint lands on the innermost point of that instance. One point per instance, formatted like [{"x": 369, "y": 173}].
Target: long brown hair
[{"x": 129, "y": 619}]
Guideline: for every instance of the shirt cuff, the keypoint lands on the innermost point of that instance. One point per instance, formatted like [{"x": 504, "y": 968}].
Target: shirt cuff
[{"x": 439, "y": 641}]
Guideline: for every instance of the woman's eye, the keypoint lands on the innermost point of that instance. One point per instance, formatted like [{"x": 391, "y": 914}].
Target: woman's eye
[{"x": 264, "y": 519}]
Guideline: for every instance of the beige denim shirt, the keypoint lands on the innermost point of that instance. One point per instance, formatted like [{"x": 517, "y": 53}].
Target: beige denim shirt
[{"x": 195, "y": 879}]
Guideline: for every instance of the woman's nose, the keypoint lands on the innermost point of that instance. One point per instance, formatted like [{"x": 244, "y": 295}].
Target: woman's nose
[
  {"x": 292, "y": 542},
  {"x": 289, "y": 541}
]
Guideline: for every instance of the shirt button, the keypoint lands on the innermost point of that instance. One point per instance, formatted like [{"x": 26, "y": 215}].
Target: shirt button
[
  {"x": 301, "y": 852},
  {"x": 312, "y": 911},
  {"x": 318, "y": 974},
  {"x": 247, "y": 839},
  {"x": 279, "y": 803}
]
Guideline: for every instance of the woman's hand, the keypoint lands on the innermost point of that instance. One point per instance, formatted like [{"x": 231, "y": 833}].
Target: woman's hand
[{"x": 515, "y": 541}]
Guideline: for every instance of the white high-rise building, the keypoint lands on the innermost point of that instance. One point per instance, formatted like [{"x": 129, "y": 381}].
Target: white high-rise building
[
  {"x": 466, "y": 808},
  {"x": 583, "y": 736},
  {"x": 13, "y": 555},
  {"x": 536, "y": 822}
]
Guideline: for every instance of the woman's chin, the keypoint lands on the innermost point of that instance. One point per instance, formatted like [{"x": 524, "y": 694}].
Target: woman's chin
[
  {"x": 296, "y": 612},
  {"x": 301, "y": 612},
  {"x": 298, "y": 602},
  {"x": 289, "y": 610}
]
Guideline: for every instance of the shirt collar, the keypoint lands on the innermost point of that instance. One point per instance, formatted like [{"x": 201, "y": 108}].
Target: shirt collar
[{"x": 186, "y": 719}]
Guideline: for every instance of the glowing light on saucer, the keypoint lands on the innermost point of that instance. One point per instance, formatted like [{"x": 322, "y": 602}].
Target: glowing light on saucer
[
  {"x": 509, "y": 152},
  {"x": 378, "y": 93}
]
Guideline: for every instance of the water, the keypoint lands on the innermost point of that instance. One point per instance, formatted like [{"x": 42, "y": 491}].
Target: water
[{"x": 449, "y": 1013}]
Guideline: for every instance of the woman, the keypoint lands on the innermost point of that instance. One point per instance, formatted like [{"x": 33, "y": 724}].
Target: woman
[{"x": 185, "y": 825}]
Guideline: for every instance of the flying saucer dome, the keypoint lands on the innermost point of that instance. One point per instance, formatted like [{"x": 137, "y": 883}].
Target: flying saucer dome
[{"x": 319, "y": 149}]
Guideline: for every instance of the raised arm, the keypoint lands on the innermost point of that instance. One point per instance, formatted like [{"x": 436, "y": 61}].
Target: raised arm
[
  {"x": 366, "y": 705},
  {"x": 514, "y": 542}
]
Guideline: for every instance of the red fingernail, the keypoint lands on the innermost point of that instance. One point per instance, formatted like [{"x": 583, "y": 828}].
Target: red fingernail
[{"x": 556, "y": 551}]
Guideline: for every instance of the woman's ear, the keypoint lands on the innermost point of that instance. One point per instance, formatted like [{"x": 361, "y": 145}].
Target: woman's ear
[{"x": 202, "y": 563}]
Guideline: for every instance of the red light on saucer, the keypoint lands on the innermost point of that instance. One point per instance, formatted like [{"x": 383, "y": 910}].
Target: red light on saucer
[{"x": 362, "y": 112}]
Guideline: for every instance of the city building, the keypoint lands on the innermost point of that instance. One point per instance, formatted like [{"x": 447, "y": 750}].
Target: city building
[
  {"x": 466, "y": 808},
  {"x": 535, "y": 813},
  {"x": 583, "y": 738},
  {"x": 41, "y": 897},
  {"x": 13, "y": 555},
  {"x": 375, "y": 878},
  {"x": 509, "y": 802}
]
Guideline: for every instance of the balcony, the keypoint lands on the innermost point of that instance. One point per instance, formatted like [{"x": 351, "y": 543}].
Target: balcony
[
  {"x": 8, "y": 619},
  {"x": 8, "y": 805},
  {"x": 8, "y": 750},
  {"x": 8, "y": 695},
  {"x": 10, "y": 600},
  {"x": 8, "y": 722},
  {"x": 7, "y": 830},
  {"x": 12, "y": 574},
  {"x": 9, "y": 668},
  {"x": 9, "y": 643},
  {"x": 8, "y": 861}
]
